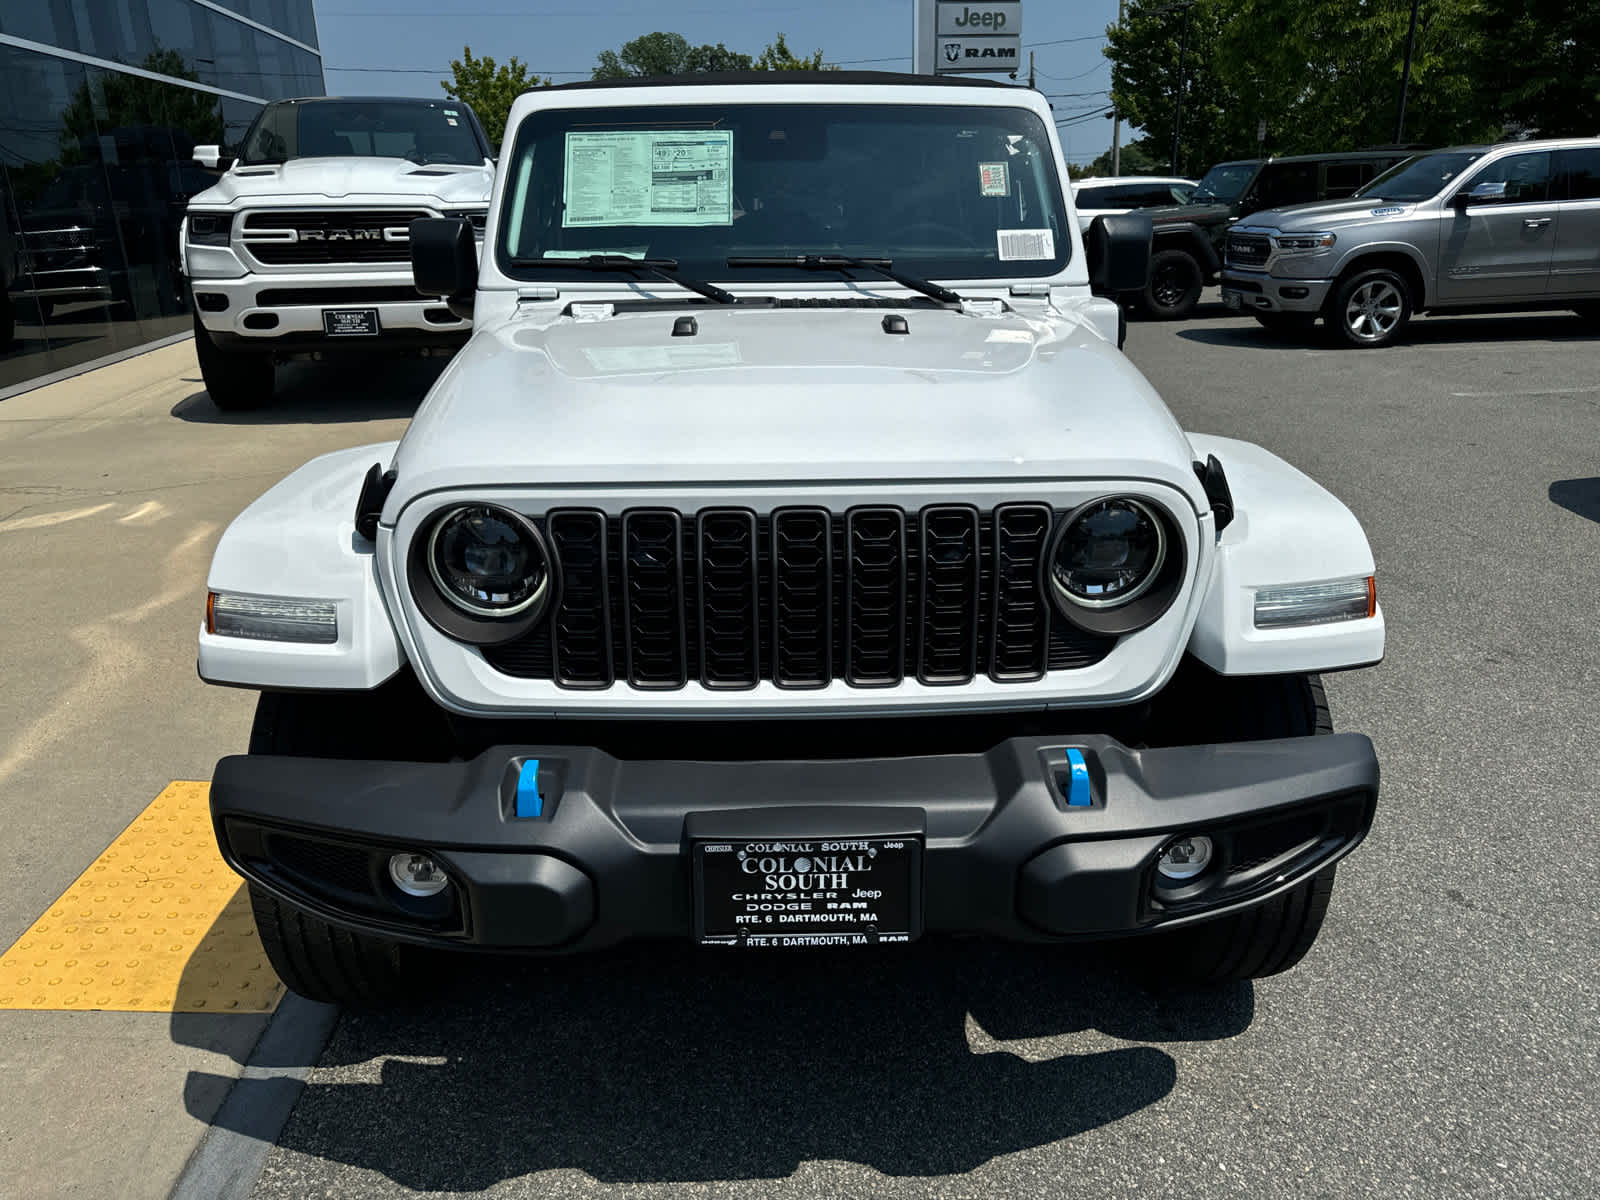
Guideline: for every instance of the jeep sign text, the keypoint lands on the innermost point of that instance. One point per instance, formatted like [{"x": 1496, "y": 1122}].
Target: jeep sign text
[{"x": 980, "y": 19}]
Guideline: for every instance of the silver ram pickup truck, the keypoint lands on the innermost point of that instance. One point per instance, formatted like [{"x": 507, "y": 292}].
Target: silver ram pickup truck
[{"x": 1511, "y": 226}]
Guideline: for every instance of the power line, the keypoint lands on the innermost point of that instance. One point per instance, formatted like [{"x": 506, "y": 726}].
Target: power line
[{"x": 1079, "y": 75}]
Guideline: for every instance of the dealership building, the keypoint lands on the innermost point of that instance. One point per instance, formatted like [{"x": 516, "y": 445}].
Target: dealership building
[{"x": 101, "y": 105}]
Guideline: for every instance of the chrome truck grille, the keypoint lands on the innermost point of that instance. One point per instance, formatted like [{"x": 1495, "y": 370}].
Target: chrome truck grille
[
  {"x": 802, "y": 597},
  {"x": 316, "y": 236}
]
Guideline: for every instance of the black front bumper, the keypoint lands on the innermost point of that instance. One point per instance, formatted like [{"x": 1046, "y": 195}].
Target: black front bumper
[{"x": 1003, "y": 851}]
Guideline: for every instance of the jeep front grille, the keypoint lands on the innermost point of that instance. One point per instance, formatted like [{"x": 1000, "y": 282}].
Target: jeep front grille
[
  {"x": 1248, "y": 250},
  {"x": 799, "y": 598},
  {"x": 281, "y": 238}
]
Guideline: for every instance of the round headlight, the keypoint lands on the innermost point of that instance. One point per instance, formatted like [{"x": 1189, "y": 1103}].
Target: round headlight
[
  {"x": 488, "y": 562},
  {"x": 1109, "y": 555}
]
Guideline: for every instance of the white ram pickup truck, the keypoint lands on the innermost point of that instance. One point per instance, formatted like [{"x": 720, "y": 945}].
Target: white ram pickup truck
[
  {"x": 791, "y": 558},
  {"x": 302, "y": 246}
]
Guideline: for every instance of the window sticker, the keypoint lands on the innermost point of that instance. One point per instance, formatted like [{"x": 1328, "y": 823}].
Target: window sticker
[
  {"x": 1025, "y": 245},
  {"x": 450, "y": 112},
  {"x": 992, "y": 179},
  {"x": 451, "y": 121},
  {"x": 671, "y": 177}
]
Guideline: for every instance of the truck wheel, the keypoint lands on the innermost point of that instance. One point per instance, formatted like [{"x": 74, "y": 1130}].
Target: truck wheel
[
  {"x": 1174, "y": 287},
  {"x": 316, "y": 958},
  {"x": 235, "y": 381},
  {"x": 1370, "y": 308},
  {"x": 326, "y": 963},
  {"x": 1269, "y": 937},
  {"x": 1286, "y": 325}
]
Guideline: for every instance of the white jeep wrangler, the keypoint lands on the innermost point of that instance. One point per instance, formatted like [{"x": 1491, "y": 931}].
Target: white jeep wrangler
[
  {"x": 302, "y": 248},
  {"x": 738, "y": 582}
]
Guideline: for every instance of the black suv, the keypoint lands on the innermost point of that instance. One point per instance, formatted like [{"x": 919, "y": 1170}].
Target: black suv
[{"x": 1189, "y": 237}]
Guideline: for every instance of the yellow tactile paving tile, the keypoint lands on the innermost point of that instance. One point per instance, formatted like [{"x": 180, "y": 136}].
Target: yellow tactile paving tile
[{"x": 158, "y": 923}]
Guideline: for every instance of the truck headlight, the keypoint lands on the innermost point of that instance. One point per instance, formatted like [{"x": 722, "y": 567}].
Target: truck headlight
[
  {"x": 1304, "y": 243},
  {"x": 1114, "y": 565},
  {"x": 210, "y": 229},
  {"x": 482, "y": 574}
]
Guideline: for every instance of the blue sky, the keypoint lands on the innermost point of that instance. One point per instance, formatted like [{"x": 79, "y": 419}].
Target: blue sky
[{"x": 403, "y": 47}]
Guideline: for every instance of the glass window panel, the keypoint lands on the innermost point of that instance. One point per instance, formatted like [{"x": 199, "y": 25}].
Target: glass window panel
[{"x": 1581, "y": 170}]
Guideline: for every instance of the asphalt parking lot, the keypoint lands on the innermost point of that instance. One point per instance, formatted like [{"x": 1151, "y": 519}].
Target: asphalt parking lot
[{"x": 1440, "y": 1041}]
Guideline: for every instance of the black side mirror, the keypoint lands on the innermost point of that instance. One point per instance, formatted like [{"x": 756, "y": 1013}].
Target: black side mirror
[
  {"x": 1118, "y": 248},
  {"x": 444, "y": 261}
]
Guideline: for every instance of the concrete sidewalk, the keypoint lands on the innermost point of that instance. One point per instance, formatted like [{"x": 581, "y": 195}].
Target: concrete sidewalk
[{"x": 114, "y": 488}]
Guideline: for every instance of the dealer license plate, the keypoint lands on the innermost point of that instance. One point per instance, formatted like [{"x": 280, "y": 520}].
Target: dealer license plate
[
  {"x": 350, "y": 322},
  {"x": 1232, "y": 300},
  {"x": 808, "y": 892}
]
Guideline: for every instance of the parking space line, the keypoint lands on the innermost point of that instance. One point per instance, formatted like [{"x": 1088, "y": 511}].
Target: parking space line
[{"x": 158, "y": 923}]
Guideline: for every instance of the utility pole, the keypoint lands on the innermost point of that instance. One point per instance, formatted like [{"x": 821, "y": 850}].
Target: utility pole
[
  {"x": 1177, "y": 97},
  {"x": 1030, "y": 71},
  {"x": 1405, "y": 78},
  {"x": 1116, "y": 117}
]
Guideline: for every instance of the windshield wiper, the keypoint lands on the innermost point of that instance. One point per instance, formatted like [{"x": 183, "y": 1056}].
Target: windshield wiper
[
  {"x": 840, "y": 262},
  {"x": 661, "y": 268}
]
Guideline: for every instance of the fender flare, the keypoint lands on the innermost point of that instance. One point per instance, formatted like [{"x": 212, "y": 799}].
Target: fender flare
[{"x": 1195, "y": 239}]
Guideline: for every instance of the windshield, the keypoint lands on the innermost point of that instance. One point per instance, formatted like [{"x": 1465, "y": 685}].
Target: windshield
[
  {"x": 953, "y": 191},
  {"x": 1223, "y": 183},
  {"x": 422, "y": 131},
  {"x": 1419, "y": 178}
]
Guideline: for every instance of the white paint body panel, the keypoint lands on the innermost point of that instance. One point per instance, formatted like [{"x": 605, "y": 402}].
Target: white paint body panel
[
  {"x": 1288, "y": 529},
  {"x": 768, "y": 407},
  {"x": 299, "y": 540}
]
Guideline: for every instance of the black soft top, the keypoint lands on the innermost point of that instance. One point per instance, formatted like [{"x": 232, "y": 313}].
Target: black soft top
[{"x": 733, "y": 78}]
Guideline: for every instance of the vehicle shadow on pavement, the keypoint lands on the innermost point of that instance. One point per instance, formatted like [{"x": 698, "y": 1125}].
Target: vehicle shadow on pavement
[
  {"x": 1424, "y": 331},
  {"x": 660, "y": 1063},
  {"x": 1580, "y": 496},
  {"x": 332, "y": 393}
]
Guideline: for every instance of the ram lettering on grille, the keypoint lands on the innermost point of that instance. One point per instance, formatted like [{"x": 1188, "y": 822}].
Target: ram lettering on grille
[{"x": 800, "y": 598}]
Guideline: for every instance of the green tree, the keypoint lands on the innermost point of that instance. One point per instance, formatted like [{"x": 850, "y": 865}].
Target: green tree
[
  {"x": 1141, "y": 157},
  {"x": 778, "y": 57},
  {"x": 1541, "y": 68},
  {"x": 667, "y": 54},
  {"x": 489, "y": 89},
  {"x": 117, "y": 101},
  {"x": 1218, "y": 120}
]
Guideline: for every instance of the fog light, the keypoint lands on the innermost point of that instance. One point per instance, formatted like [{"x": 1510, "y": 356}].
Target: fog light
[
  {"x": 417, "y": 874},
  {"x": 1185, "y": 857}
]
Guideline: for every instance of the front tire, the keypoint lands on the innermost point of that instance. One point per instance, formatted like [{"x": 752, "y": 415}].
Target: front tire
[
  {"x": 1589, "y": 311},
  {"x": 236, "y": 381},
  {"x": 1174, "y": 288},
  {"x": 1370, "y": 308},
  {"x": 1272, "y": 936},
  {"x": 318, "y": 959}
]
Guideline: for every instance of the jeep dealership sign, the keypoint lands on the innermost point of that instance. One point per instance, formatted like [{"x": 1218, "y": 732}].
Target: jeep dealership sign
[{"x": 957, "y": 37}]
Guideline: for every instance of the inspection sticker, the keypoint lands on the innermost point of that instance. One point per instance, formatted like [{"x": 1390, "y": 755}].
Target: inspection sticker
[
  {"x": 1025, "y": 245},
  {"x": 992, "y": 179}
]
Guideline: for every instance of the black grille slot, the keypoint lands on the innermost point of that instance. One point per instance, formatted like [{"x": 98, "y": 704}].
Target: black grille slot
[
  {"x": 582, "y": 653},
  {"x": 652, "y": 588},
  {"x": 802, "y": 595},
  {"x": 875, "y": 597},
  {"x": 1021, "y": 615},
  {"x": 331, "y": 236},
  {"x": 799, "y": 598},
  {"x": 949, "y": 605},
  {"x": 1248, "y": 250},
  {"x": 286, "y": 297},
  {"x": 730, "y": 608}
]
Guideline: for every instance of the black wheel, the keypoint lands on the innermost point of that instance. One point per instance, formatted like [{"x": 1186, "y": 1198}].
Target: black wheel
[
  {"x": 314, "y": 957},
  {"x": 1174, "y": 287},
  {"x": 1286, "y": 325},
  {"x": 1275, "y": 935},
  {"x": 323, "y": 962},
  {"x": 236, "y": 382},
  {"x": 1370, "y": 308}
]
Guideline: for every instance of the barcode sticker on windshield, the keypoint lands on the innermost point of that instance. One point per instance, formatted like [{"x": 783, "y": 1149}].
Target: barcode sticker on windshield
[{"x": 1020, "y": 245}]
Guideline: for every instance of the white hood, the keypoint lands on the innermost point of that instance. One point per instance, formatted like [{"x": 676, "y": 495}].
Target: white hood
[
  {"x": 319, "y": 180},
  {"x": 785, "y": 396}
]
